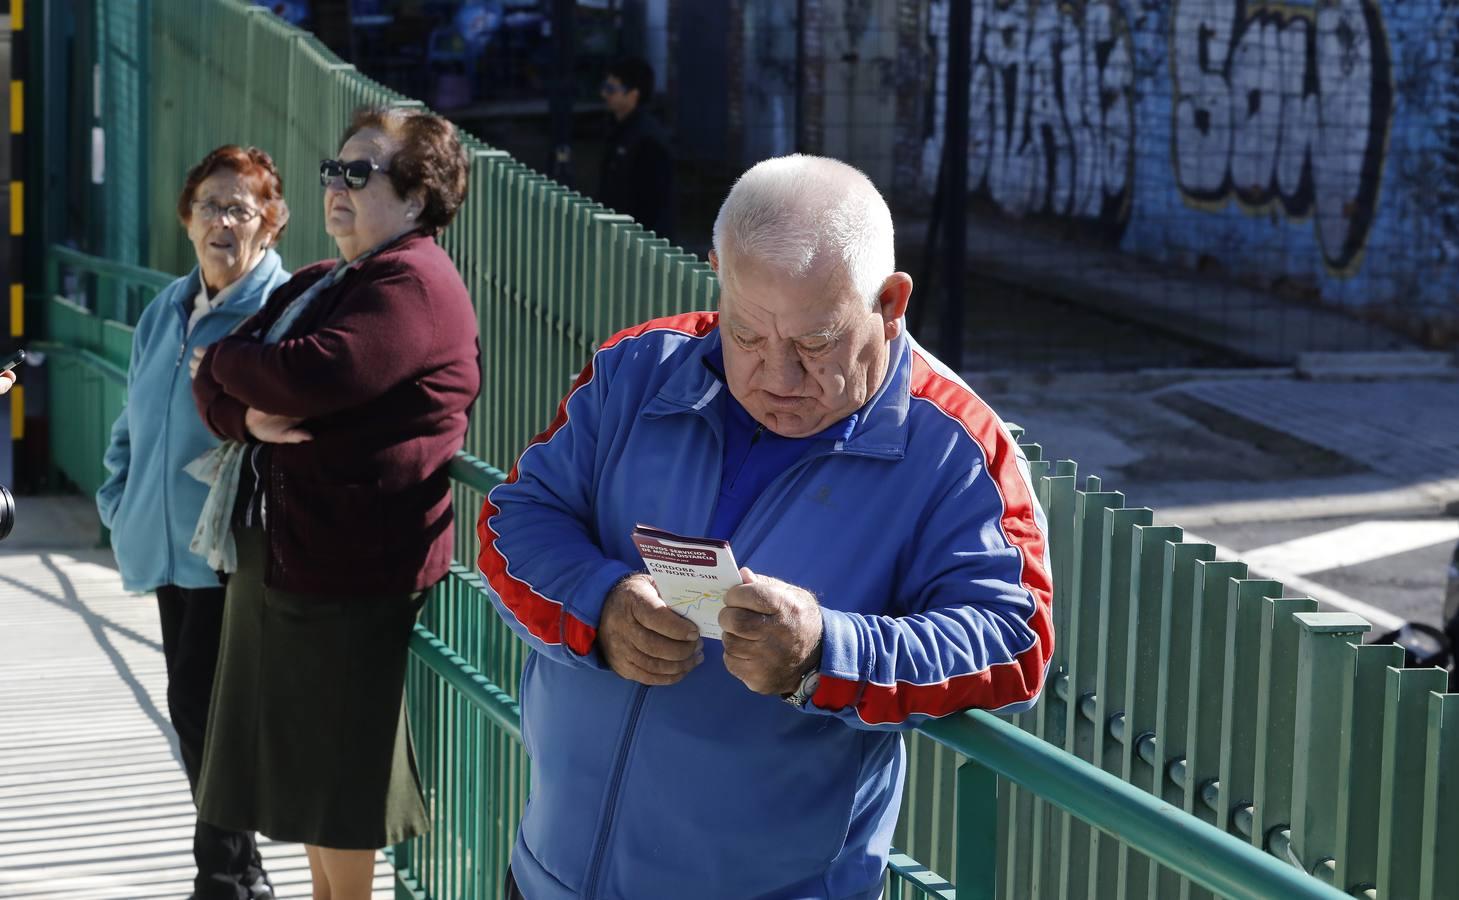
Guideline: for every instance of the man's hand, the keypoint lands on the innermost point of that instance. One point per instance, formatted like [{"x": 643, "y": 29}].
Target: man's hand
[
  {"x": 273, "y": 429},
  {"x": 643, "y": 640},
  {"x": 6, "y": 380},
  {"x": 772, "y": 633}
]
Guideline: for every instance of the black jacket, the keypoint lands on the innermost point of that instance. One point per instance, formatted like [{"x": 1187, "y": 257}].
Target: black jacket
[{"x": 638, "y": 173}]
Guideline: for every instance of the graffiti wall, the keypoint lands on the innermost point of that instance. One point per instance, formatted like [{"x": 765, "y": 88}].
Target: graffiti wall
[
  {"x": 1307, "y": 141},
  {"x": 1051, "y": 108}
]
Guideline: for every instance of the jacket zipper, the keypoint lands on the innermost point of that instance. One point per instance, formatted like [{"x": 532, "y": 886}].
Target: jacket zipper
[
  {"x": 595, "y": 864},
  {"x": 754, "y": 439},
  {"x": 166, "y": 465},
  {"x": 619, "y": 764}
]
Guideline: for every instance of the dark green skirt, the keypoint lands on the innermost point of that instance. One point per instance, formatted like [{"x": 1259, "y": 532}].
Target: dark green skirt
[{"x": 307, "y": 737}]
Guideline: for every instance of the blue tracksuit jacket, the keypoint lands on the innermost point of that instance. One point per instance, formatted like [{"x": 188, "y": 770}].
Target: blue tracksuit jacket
[
  {"x": 919, "y": 533},
  {"x": 150, "y": 504}
]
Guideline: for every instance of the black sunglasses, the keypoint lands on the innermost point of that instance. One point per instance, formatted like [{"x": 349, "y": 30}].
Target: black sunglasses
[{"x": 356, "y": 172}]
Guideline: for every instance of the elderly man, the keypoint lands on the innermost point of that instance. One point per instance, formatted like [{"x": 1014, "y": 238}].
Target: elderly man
[{"x": 895, "y": 570}]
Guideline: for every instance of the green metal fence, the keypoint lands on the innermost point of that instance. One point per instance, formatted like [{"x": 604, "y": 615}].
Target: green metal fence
[
  {"x": 1175, "y": 675},
  {"x": 1174, "y": 672}
]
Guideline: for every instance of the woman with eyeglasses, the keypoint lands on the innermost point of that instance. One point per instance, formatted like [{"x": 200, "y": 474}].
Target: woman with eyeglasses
[
  {"x": 347, "y": 397},
  {"x": 232, "y": 206}
]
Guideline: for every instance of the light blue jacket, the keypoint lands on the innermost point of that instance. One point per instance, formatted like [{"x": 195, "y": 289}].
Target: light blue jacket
[
  {"x": 150, "y": 504},
  {"x": 920, "y": 534}
]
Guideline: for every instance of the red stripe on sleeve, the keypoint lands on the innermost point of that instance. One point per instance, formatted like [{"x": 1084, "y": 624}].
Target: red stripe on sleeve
[
  {"x": 542, "y": 617},
  {"x": 993, "y": 687},
  {"x": 1002, "y": 684}
]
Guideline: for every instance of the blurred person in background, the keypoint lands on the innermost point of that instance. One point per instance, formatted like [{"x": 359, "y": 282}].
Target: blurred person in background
[
  {"x": 342, "y": 402},
  {"x": 232, "y": 206},
  {"x": 638, "y": 170}
]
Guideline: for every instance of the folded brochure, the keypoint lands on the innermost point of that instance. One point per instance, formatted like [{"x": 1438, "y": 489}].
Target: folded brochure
[{"x": 691, "y": 574}]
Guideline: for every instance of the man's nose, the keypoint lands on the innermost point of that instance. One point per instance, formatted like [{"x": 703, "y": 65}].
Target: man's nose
[{"x": 783, "y": 371}]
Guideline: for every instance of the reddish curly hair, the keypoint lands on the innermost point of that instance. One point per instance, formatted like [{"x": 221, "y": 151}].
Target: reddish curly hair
[
  {"x": 255, "y": 166},
  {"x": 430, "y": 158}
]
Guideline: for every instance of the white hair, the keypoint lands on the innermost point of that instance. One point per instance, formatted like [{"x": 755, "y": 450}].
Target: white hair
[{"x": 788, "y": 212}]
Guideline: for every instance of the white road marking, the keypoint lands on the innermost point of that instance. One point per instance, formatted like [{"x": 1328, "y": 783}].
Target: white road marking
[
  {"x": 1353, "y": 545},
  {"x": 1296, "y": 585}
]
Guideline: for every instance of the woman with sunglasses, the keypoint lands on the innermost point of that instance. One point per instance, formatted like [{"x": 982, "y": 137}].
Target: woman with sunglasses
[
  {"x": 232, "y": 207},
  {"x": 347, "y": 396}
]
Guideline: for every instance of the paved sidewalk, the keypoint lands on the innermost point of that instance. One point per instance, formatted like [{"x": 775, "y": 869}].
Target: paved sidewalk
[
  {"x": 1202, "y": 447},
  {"x": 1253, "y": 462},
  {"x": 93, "y": 800}
]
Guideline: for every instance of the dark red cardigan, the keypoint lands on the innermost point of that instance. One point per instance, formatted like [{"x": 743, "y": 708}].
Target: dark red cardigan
[{"x": 383, "y": 367}]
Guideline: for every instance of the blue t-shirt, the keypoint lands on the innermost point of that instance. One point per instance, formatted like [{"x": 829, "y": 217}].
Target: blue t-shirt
[{"x": 754, "y": 456}]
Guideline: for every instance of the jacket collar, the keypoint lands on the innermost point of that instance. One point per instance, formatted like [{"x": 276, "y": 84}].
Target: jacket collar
[
  {"x": 242, "y": 294},
  {"x": 881, "y": 424},
  {"x": 400, "y": 243}
]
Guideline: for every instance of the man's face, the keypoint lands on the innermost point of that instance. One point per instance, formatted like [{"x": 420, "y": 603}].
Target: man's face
[
  {"x": 801, "y": 353},
  {"x": 620, "y": 100}
]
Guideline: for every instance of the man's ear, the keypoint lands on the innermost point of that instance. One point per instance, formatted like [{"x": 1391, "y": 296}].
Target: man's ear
[
  {"x": 892, "y": 302},
  {"x": 714, "y": 261}
]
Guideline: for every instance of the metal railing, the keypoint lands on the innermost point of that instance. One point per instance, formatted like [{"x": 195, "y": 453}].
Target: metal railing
[
  {"x": 471, "y": 758},
  {"x": 991, "y": 748}
]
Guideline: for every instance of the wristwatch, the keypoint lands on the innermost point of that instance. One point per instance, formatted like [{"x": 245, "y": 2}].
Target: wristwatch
[{"x": 808, "y": 684}]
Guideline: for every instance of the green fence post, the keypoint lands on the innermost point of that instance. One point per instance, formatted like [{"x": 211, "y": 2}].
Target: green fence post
[
  {"x": 1276, "y": 716},
  {"x": 1177, "y": 613},
  {"x": 1237, "y": 795},
  {"x": 1208, "y": 665},
  {"x": 1322, "y": 651},
  {"x": 977, "y": 832},
  {"x": 1084, "y": 639},
  {"x": 1115, "y": 610},
  {"x": 1140, "y": 762},
  {"x": 1439, "y": 875},
  {"x": 1361, "y": 755},
  {"x": 1400, "y": 821}
]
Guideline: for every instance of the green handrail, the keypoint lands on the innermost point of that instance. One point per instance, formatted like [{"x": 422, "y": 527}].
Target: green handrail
[
  {"x": 479, "y": 690},
  {"x": 108, "y": 268},
  {"x": 1174, "y": 838},
  {"x": 106, "y": 368},
  {"x": 474, "y": 473}
]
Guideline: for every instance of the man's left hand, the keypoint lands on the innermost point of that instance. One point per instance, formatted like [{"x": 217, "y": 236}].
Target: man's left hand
[{"x": 772, "y": 633}]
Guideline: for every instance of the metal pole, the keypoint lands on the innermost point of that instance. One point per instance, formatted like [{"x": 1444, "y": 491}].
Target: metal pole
[
  {"x": 800, "y": 76},
  {"x": 955, "y": 145},
  {"x": 564, "y": 89}
]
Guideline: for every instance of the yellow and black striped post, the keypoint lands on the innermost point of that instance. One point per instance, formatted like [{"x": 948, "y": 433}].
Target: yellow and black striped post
[{"x": 17, "y": 202}]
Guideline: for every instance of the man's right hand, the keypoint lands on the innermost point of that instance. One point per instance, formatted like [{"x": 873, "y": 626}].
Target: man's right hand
[{"x": 643, "y": 640}]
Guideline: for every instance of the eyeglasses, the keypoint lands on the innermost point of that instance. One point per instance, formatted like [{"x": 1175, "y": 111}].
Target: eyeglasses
[
  {"x": 236, "y": 213},
  {"x": 356, "y": 172},
  {"x": 610, "y": 87}
]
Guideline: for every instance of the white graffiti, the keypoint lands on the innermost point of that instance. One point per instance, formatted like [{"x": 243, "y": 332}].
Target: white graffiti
[
  {"x": 1051, "y": 115},
  {"x": 1284, "y": 103}
]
